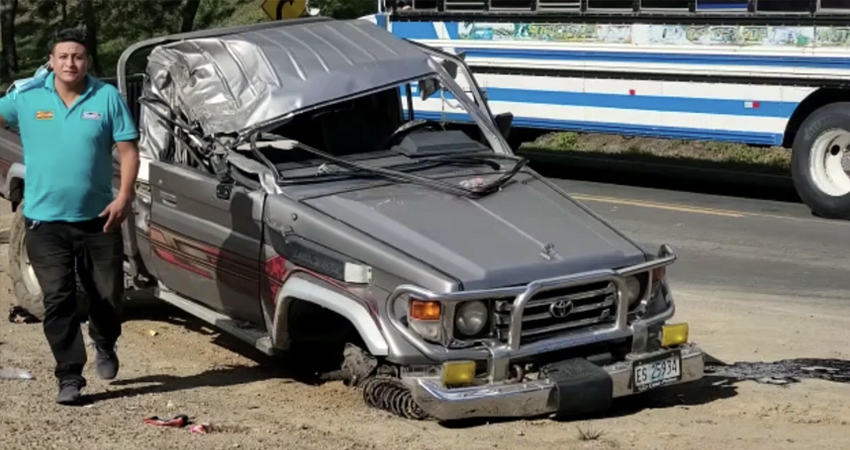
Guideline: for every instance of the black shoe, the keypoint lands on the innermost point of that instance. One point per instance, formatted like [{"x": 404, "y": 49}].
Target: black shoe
[
  {"x": 69, "y": 391},
  {"x": 106, "y": 363}
]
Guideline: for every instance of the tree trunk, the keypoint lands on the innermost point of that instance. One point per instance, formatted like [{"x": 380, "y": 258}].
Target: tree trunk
[
  {"x": 64, "y": 4},
  {"x": 9, "y": 62},
  {"x": 90, "y": 20},
  {"x": 190, "y": 9}
]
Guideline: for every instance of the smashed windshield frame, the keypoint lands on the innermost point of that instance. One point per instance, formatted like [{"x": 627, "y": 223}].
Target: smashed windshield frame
[
  {"x": 496, "y": 155},
  {"x": 476, "y": 108}
]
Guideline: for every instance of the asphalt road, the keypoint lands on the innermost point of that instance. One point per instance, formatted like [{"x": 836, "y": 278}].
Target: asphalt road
[{"x": 734, "y": 243}]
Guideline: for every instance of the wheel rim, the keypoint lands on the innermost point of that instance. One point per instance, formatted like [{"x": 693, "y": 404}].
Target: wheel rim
[
  {"x": 28, "y": 274},
  {"x": 830, "y": 162}
]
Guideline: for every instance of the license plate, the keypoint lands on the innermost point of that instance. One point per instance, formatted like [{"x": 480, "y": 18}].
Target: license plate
[{"x": 657, "y": 371}]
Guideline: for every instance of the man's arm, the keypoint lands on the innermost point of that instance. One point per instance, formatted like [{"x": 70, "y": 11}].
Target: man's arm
[
  {"x": 128, "y": 155},
  {"x": 124, "y": 134},
  {"x": 8, "y": 112}
]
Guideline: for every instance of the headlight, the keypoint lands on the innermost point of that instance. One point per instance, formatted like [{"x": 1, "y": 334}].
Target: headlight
[
  {"x": 633, "y": 289},
  {"x": 471, "y": 317}
]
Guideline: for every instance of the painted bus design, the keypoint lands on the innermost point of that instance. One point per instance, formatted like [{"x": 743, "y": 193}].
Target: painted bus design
[{"x": 759, "y": 72}]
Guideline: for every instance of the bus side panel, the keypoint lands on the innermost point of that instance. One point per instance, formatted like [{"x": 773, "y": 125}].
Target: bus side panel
[{"x": 723, "y": 83}]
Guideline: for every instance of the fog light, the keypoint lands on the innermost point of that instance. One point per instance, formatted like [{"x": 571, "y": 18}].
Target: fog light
[
  {"x": 674, "y": 334},
  {"x": 458, "y": 373}
]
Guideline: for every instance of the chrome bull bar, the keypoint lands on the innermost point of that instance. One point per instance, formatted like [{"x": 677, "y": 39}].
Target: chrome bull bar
[{"x": 498, "y": 353}]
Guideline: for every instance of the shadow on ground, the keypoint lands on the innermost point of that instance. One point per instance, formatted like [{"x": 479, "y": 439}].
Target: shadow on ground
[
  {"x": 290, "y": 368},
  {"x": 719, "y": 383}
]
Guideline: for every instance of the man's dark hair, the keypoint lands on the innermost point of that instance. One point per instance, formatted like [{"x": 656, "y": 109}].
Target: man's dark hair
[{"x": 69, "y": 35}]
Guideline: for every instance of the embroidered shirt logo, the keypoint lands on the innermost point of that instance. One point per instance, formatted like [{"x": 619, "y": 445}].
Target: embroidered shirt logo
[
  {"x": 44, "y": 115},
  {"x": 91, "y": 115}
]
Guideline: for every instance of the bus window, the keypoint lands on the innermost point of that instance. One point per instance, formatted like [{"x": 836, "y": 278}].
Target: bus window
[
  {"x": 424, "y": 4},
  {"x": 665, "y": 4},
  {"x": 610, "y": 4},
  {"x": 511, "y": 5},
  {"x": 558, "y": 5},
  {"x": 792, "y": 6},
  {"x": 722, "y": 5},
  {"x": 465, "y": 5},
  {"x": 835, "y": 4}
]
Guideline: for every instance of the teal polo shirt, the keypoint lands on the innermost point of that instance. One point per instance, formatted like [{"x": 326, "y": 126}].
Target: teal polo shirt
[{"x": 68, "y": 151}]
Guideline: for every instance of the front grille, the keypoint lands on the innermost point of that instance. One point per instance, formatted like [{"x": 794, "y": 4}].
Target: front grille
[{"x": 575, "y": 309}]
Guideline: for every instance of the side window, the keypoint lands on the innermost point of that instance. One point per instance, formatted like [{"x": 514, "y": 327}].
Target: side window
[
  {"x": 835, "y": 4},
  {"x": 665, "y": 4},
  {"x": 778, "y": 6},
  {"x": 722, "y": 5},
  {"x": 610, "y": 4}
]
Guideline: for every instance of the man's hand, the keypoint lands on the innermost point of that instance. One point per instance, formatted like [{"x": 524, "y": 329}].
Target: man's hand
[{"x": 115, "y": 212}]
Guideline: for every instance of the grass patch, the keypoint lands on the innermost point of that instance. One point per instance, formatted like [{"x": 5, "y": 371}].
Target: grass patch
[{"x": 707, "y": 154}]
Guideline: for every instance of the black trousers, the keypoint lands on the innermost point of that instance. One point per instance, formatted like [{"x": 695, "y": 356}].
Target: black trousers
[{"x": 58, "y": 251}]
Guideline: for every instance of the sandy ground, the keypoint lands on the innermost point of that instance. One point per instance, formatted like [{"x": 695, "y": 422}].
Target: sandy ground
[{"x": 190, "y": 369}]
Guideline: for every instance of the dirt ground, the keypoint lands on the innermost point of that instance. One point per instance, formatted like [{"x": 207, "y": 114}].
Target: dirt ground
[{"x": 172, "y": 364}]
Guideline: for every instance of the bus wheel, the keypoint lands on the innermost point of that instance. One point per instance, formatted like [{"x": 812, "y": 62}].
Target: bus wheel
[{"x": 820, "y": 161}]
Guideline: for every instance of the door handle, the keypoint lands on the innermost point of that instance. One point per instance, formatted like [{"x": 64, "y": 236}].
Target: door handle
[{"x": 168, "y": 199}]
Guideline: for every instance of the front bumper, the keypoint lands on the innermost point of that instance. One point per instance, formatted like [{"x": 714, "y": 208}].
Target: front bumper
[{"x": 532, "y": 398}]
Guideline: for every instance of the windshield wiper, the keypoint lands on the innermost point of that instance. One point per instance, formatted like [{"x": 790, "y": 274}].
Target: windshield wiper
[{"x": 396, "y": 175}]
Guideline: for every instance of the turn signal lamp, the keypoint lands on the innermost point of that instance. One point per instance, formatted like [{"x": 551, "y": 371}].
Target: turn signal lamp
[
  {"x": 674, "y": 334},
  {"x": 424, "y": 310},
  {"x": 458, "y": 373}
]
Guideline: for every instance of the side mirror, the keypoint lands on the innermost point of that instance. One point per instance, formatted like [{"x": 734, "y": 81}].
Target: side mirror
[
  {"x": 428, "y": 87},
  {"x": 504, "y": 122},
  {"x": 451, "y": 66}
]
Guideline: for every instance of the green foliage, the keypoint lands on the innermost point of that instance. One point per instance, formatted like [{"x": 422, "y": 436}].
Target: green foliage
[
  {"x": 120, "y": 23},
  {"x": 345, "y": 9}
]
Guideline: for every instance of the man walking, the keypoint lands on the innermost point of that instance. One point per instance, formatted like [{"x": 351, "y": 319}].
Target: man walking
[{"x": 68, "y": 125}]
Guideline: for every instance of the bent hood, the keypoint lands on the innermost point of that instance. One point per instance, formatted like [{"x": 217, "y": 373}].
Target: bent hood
[{"x": 525, "y": 232}]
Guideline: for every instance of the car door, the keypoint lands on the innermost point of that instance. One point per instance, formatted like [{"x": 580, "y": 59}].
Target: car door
[{"x": 205, "y": 247}]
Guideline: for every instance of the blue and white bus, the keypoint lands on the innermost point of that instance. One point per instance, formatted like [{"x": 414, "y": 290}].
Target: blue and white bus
[{"x": 763, "y": 72}]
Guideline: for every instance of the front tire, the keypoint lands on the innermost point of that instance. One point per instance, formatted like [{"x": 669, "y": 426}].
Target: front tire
[
  {"x": 25, "y": 286},
  {"x": 820, "y": 162}
]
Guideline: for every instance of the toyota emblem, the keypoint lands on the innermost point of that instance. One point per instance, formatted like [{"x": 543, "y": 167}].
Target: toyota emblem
[{"x": 561, "y": 308}]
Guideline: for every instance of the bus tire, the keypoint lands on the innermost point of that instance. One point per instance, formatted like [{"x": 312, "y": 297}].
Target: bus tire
[{"x": 820, "y": 161}]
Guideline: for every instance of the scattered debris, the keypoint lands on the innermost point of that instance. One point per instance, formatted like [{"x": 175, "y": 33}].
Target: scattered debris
[
  {"x": 178, "y": 421},
  {"x": 20, "y": 315},
  {"x": 473, "y": 183},
  {"x": 784, "y": 372},
  {"x": 201, "y": 428},
  {"x": 15, "y": 374}
]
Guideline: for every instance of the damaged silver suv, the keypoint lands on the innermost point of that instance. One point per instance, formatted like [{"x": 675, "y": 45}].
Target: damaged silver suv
[{"x": 297, "y": 193}]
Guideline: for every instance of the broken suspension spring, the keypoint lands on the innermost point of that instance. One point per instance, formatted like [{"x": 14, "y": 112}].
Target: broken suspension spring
[{"x": 389, "y": 394}]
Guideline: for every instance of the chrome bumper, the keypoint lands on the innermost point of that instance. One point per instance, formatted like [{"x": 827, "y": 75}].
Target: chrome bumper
[
  {"x": 499, "y": 354},
  {"x": 528, "y": 399}
]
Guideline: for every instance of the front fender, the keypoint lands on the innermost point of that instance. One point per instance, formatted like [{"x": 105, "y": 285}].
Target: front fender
[
  {"x": 298, "y": 288},
  {"x": 14, "y": 181}
]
